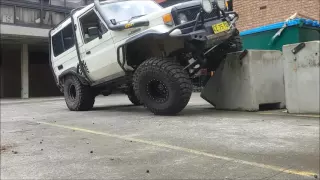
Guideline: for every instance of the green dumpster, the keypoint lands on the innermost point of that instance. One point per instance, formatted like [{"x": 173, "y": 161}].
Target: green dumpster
[{"x": 297, "y": 30}]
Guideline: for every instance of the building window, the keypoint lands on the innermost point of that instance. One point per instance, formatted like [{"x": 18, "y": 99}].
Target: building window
[
  {"x": 75, "y": 3},
  {"x": 6, "y": 14},
  {"x": 34, "y": 1},
  {"x": 89, "y": 1},
  {"x": 54, "y": 2},
  {"x": 52, "y": 18},
  {"x": 62, "y": 41},
  {"x": 27, "y": 16}
]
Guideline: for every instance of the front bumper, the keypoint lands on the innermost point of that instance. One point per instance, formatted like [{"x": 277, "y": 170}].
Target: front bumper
[{"x": 205, "y": 33}]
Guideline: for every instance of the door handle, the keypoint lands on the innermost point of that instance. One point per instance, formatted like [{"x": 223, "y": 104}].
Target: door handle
[{"x": 88, "y": 52}]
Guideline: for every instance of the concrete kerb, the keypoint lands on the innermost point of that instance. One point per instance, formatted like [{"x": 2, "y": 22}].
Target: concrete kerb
[{"x": 31, "y": 100}]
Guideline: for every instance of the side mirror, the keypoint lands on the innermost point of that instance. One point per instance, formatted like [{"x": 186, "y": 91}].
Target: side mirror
[
  {"x": 94, "y": 31},
  {"x": 113, "y": 21}
]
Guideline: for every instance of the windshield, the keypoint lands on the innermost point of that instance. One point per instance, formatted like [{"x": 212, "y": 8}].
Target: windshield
[{"x": 127, "y": 10}]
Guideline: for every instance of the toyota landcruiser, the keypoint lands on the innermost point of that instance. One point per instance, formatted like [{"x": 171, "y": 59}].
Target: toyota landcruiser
[{"x": 139, "y": 48}]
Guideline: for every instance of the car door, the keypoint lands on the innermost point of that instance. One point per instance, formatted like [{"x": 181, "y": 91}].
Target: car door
[{"x": 97, "y": 50}]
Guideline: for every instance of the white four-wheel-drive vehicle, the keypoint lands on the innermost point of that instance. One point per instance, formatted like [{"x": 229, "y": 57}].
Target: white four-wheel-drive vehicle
[{"x": 139, "y": 48}]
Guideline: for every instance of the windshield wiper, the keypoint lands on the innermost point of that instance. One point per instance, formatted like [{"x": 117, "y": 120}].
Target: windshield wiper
[{"x": 135, "y": 17}]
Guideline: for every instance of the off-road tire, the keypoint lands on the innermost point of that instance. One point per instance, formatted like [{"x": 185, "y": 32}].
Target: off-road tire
[
  {"x": 133, "y": 98},
  {"x": 175, "y": 80},
  {"x": 78, "y": 97}
]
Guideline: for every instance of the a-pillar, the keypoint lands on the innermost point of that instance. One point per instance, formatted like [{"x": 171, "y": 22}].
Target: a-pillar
[{"x": 24, "y": 71}]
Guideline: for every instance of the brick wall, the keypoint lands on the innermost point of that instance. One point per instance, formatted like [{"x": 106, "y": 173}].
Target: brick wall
[{"x": 254, "y": 13}]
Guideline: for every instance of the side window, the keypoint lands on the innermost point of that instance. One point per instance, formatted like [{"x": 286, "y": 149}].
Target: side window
[
  {"x": 67, "y": 35},
  {"x": 63, "y": 40},
  {"x": 57, "y": 44},
  {"x": 89, "y": 23}
]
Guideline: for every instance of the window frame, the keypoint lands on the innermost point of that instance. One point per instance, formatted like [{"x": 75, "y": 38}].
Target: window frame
[
  {"x": 72, "y": 36},
  {"x": 81, "y": 28},
  {"x": 24, "y": 23},
  {"x": 60, "y": 33},
  {"x": 62, "y": 40},
  {"x": 83, "y": 1},
  {"x": 14, "y": 14},
  {"x": 37, "y": 6}
]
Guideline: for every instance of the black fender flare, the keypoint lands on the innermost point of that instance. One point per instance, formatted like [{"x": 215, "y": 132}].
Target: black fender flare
[
  {"x": 150, "y": 32},
  {"x": 73, "y": 71}
]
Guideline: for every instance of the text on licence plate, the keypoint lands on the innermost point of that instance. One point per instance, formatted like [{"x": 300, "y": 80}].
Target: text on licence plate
[{"x": 220, "y": 27}]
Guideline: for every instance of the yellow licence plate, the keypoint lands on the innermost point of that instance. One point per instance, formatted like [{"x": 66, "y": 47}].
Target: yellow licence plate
[{"x": 221, "y": 27}]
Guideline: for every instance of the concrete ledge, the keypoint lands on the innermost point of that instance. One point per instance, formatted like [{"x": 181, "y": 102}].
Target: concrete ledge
[
  {"x": 13, "y": 30},
  {"x": 245, "y": 84},
  {"x": 301, "y": 72},
  {"x": 31, "y": 100}
]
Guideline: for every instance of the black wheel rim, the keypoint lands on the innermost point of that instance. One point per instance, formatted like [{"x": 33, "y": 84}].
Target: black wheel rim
[
  {"x": 157, "y": 91},
  {"x": 72, "y": 92}
]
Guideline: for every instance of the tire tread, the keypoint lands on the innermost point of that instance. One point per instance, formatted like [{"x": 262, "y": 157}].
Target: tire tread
[{"x": 174, "y": 70}]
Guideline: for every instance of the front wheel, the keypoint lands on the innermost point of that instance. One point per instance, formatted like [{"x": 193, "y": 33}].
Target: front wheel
[
  {"x": 162, "y": 86},
  {"x": 133, "y": 97},
  {"x": 78, "y": 97}
]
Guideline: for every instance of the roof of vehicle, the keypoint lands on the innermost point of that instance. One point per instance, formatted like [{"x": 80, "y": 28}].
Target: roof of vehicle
[{"x": 78, "y": 12}]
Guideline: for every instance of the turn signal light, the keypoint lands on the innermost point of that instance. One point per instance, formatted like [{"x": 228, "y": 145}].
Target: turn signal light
[{"x": 167, "y": 19}]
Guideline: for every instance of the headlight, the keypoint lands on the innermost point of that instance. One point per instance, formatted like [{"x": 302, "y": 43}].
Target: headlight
[
  {"x": 207, "y": 6},
  {"x": 222, "y": 4},
  {"x": 182, "y": 18}
]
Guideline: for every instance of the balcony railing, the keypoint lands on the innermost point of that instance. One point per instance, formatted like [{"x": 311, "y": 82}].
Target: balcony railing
[{"x": 37, "y": 13}]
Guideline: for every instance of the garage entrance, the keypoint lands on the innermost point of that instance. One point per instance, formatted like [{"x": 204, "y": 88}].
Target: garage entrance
[{"x": 25, "y": 71}]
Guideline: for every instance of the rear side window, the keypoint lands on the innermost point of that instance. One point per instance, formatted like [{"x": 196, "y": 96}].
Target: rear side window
[
  {"x": 62, "y": 41},
  {"x": 57, "y": 44}
]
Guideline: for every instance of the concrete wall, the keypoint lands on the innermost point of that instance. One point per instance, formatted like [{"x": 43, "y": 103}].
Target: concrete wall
[
  {"x": 246, "y": 84},
  {"x": 12, "y": 30},
  {"x": 302, "y": 73}
]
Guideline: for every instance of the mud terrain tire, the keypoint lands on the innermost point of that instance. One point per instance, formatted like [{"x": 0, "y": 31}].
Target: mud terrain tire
[
  {"x": 78, "y": 97},
  {"x": 133, "y": 98},
  {"x": 162, "y": 86}
]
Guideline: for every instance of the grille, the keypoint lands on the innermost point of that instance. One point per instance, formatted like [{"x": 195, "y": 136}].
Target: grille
[{"x": 191, "y": 13}]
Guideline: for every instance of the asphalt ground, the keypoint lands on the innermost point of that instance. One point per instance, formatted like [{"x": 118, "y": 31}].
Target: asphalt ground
[{"x": 42, "y": 139}]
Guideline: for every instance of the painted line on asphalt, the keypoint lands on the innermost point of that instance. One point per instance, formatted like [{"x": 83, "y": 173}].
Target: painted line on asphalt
[
  {"x": 192, "y": 151},
  {"x": 286, "y": 114}
]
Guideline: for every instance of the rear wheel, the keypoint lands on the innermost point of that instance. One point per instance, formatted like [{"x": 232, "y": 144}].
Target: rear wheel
[
  {"x": 162, "y": 86},
  {"x": 78, "y": 97}
]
